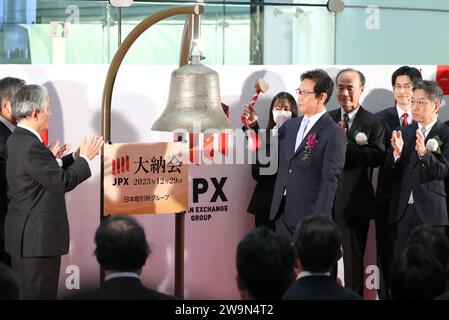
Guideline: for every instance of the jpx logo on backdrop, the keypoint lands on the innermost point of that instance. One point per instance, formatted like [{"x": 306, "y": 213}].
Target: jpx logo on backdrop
[
  {"x": 200, "y": 187},
  {"x": 120, "y": 166}
]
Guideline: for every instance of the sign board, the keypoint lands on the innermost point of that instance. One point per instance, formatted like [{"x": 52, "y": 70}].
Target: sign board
[{"x": 145, "y": 178}]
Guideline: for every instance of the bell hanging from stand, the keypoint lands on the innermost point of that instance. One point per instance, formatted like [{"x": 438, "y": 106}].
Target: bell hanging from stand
[{"x": 194, "y": 102}]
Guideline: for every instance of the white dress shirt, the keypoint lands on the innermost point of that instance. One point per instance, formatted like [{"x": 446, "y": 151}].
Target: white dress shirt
[
  {"x": 351, "y": 115},
  {"x": 302, "y": 132},
  {"x": 401, "y": 112},
  {"x": 303, "y": 274}
]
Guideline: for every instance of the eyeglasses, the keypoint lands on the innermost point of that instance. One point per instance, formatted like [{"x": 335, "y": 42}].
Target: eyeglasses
[
  {"x": 405, "y": 86},
  {"x": 419, "y": 102},
  {"x": 303, "y": 92}
]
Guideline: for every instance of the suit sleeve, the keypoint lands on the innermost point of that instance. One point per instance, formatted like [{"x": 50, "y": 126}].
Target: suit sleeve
[
  {"x": 67, "y": 160},
  {"x": 333, "y": 163},
  {"x": 437, "y": 167},
  {"x": 42, "y": 166},
  {"x": 371, "y": 154}
]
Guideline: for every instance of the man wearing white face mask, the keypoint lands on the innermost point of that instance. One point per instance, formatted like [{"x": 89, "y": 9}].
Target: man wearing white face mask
[{"x": 283, "y": 107}]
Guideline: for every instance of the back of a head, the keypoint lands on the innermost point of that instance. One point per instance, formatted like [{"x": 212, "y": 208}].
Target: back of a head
[
  {"x": 436, "y": 241},
  {"x": 27, "y": 99},
  {"x": 416, "y": 275},
  {"x": 265, "y": 263},
  {"x": 9, "y": 87},
  {"x": 9, "y": 284},
  {"x": 317, "y": 241},
  {"x": 121, "y": 244}
]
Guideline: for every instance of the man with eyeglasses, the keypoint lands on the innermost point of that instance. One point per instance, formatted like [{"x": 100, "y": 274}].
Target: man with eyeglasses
[
  {"x": 311, "y": 157},
  {"x": 355, "y": 200},
  {"x": 419, "y": 160},
  {"x": 400, "y": 115}
]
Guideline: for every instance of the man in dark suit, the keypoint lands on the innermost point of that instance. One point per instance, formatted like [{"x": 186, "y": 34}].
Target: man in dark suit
[
  {"x": 36, "y": 225},
  {"x": 400, "y": 115},
  {"x": 265, "y": 265},
  {"x": 355, "y": 200},
  {"x": 8, "y": 88},
  {"x": 311, "y": 156},
  {"x": 121, "y": 250},
  {"x": 419, "y": 162},
  {"x": 434, "y": 240},
  {"x": 317, "y": 242},
  {"x": 446, "y": 184},
  {"x": 416, "y": 274}
]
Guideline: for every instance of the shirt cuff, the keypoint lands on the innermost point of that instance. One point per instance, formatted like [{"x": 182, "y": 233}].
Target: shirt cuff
[
  {"x": 59, "y": 161},
  {"x": 396, "y": 157}
]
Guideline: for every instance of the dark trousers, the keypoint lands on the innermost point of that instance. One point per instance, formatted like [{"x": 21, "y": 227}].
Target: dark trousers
[
  {"x": 409, "y": 221},
  {"x": 281, "y": 224},
  {"x": 4, "y": 257},
  {"x": 262, "y": 220},
  {"x": 39, "y": 277},
  {"x": 384, "y": 247},
  {"x": 354, "y": 235}
]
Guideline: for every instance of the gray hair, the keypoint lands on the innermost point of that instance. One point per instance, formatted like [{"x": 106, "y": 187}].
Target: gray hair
[
  {"x": 9, "y": 87},
  {"x": 27, "y": 99},
  {"x": 431, "y": 88},
  {"x": 359, "y": 73}
]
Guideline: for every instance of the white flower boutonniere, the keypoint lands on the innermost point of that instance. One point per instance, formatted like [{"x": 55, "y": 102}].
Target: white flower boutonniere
[
  {"x": 361, "y": 139},
  {"x": 434, "y": 145}
]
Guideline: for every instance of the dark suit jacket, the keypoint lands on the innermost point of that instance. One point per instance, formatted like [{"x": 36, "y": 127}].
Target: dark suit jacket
[
  {"x": 424, "y": 177},
  {"x": 36, "y": 223},
  {"x": 318, "y": 288},
  {"x": 4, "y": 135},
  {"x": 260, "y": 202},
  {"x": 446, "y": 183},
  {"x": 355, "y": 199},
  {"x": 123, "y": 288},
  {"x": 390, "y": 119},
  {"x": 310, "y": 183},
  {"x": 444, "y": 296}
]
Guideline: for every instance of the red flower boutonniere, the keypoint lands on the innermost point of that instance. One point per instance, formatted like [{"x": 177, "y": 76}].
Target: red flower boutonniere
[{"x": 311, "y": 143}]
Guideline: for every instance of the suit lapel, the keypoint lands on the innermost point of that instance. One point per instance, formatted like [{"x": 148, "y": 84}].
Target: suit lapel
[
  {"x": 434, "y": 131},
  {"x": 356, "y": 124},
  {"x": 411, "y": 141},
  {"x": 291, "y": 148},
  {"x": 314, "y": 130}
]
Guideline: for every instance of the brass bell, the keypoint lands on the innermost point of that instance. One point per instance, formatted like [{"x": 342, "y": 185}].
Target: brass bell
[{"x": 194, "y": 102}]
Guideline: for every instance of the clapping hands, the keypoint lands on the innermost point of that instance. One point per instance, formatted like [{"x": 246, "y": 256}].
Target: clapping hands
[
  {"x": 58, "y": 150},
  {"x": 90, "y": 147}
]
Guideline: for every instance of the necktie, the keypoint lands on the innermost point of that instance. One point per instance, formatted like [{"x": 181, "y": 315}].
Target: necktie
[
  {"x": 346, "y": 120},
  {"x": 423, "y": 130},
  {"x": 404, "y": 120},
  {"x": 301, "y": 132},
  {"x": 410, "y": 199}
]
